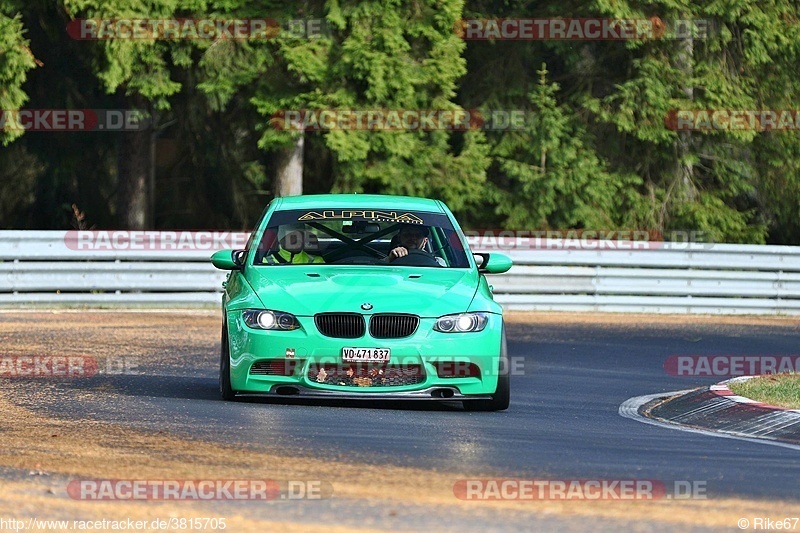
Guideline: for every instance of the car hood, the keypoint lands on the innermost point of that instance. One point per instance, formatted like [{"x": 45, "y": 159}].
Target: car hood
[{"x": 307, "y": 290}]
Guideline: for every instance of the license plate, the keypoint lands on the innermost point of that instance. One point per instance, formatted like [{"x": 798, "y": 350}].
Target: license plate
[{"x": 368, "y": 355}]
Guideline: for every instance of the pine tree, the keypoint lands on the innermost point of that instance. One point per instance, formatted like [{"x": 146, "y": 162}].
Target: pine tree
[{"x": 16, "y": 60}]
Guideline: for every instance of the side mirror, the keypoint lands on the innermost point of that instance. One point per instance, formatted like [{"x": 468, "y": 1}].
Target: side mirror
[
  {"x": 229, "y": 259},
  {"x": 493, "y": 263}
]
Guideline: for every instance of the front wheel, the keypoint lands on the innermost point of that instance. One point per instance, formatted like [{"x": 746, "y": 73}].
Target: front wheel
[
  {"x": 225, "y": 389},
  {"x": 502, "y": 395}
]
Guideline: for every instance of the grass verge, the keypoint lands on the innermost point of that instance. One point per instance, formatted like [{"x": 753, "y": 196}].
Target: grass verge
[{"x": 781, "y": 390}]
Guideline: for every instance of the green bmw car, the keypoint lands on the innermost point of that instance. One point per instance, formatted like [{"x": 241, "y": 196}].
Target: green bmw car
[{"x": 357, "y": 296}]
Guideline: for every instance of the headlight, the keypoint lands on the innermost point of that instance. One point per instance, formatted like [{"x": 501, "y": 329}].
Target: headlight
[
  {"x": 462, "y": 323},
  {"x": 270, "y": 320}
]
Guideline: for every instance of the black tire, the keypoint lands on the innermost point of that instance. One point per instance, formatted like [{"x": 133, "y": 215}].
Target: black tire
[
  {"x": 225, "y": 389},
  {"x": 502, "y": 395}
]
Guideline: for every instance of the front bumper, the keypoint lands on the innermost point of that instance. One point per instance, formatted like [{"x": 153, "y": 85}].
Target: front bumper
[
  {"x": 431, "y": 393},
  {"x": 305, "y": 350}
]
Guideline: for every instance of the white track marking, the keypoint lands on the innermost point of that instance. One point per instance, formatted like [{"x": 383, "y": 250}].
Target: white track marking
[{"x": 630, "y": 409}]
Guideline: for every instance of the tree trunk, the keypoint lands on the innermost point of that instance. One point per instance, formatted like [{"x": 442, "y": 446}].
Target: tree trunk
[
  {"x": 134, "y": 165},
  {"x": 685, "y": 168},
  {"x": 289, "y": 175}
]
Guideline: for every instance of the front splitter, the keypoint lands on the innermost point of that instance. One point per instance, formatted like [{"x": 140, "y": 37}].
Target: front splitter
[{"x": 438, "y": 394}]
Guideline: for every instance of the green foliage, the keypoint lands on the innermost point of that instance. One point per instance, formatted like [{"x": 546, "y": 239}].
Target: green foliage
[
  {"x": 16, "y": 59},
  {"x": 400, "y": 55},
  {"x": 703, "y": 180},
  {"x": 137, "y": 66},
  {"x": 595, "y": 152},
  {"x": 554, "y": 178},
  {"x": 777, "y": 182}
]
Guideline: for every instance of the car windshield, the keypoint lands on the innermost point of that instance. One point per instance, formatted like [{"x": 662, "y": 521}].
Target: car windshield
[{"x": 360, "y": 237}]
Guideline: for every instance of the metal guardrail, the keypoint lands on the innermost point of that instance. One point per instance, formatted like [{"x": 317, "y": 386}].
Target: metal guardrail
[
  {"x": 663, "y": 278},
  {"x": 48, "y": 268},
  {"x": 56, "y": 268}
]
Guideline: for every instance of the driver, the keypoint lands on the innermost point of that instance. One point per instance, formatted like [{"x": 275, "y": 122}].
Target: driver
[
  {"x": 413, "y": 239},
  {"x": 293, "y": 249},
  {"x": 409, "y": 238}
]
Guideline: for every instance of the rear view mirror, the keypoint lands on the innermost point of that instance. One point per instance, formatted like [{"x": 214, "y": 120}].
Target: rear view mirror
[{"x": 360, "y": 227}]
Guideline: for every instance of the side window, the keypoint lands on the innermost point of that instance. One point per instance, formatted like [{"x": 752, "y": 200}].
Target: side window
[
  {"x": 269, "y": 243},
  {"x": 251, "y": 239},
  {"x": 440, "y": 246}
]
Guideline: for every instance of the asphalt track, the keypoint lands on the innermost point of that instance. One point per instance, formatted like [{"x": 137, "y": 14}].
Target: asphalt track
[{"x": 563, "y": 422}]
